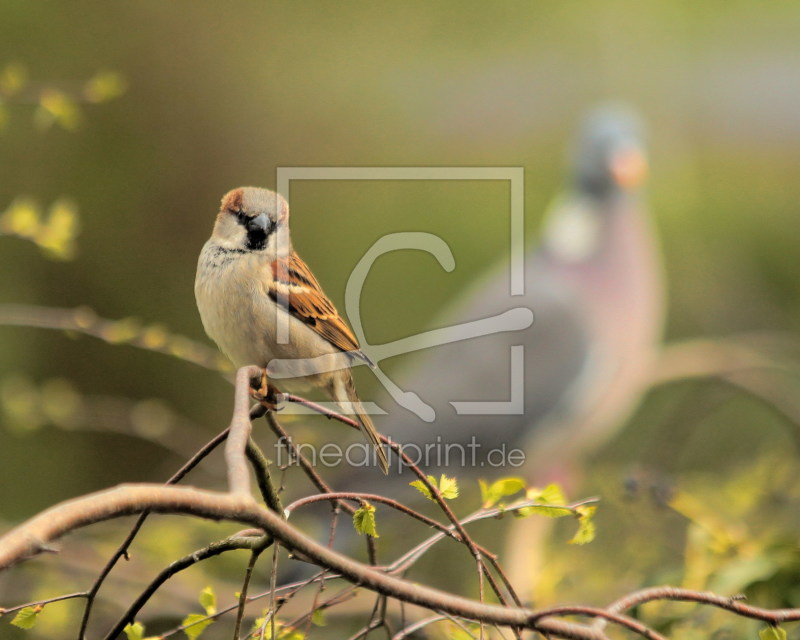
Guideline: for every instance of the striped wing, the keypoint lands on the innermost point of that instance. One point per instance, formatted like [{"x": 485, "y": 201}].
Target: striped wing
[{"x": 296, "y": 289}]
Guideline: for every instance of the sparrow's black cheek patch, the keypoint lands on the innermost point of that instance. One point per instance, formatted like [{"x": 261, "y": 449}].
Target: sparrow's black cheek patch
[{"x": 256, "y": 239}]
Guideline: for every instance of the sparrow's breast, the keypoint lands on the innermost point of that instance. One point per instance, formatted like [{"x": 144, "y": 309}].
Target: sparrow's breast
[
  {"x": 226, "y": 291},
  {"x": 231, "y": 289}
]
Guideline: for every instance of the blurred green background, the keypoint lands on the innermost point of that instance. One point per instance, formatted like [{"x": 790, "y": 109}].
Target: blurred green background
[{"x": 221, "y": 94}]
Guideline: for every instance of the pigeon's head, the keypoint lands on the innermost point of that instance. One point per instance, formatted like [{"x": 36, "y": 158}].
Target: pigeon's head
[{"x": 609, "y": 155}]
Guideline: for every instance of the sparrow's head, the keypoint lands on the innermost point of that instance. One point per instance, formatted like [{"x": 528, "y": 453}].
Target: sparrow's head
[
  {"x": 253, "y": 219},
  {"x": 609, "y": 156}
]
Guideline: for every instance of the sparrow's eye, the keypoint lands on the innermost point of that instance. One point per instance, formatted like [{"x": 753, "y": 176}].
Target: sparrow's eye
[{"x": 241, "y": 218}]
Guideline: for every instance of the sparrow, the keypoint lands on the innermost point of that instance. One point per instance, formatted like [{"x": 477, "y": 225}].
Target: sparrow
[{"x": 262, "y": 305}]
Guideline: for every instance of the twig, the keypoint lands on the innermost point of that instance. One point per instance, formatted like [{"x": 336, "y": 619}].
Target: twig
[
  {"x": 248, "y": 574},
  {"x": 623, "y": 621},
  {"x": 122, "y": 550},
  {"x": 434, "y": 491},
  {"x": 84, "y": 320},
  {"x": 313, "y": 476},
  {"x": 418, "y": 626},
  {"x": 734, "y": 605},
  {"x": 214, "y": 549},
  {"x": 263, "y": 479},
  {"x": 4, "y": 611},
  {"x": 372, "y": 497}
]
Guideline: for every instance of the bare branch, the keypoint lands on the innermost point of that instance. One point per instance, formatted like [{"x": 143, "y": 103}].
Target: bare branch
[
  {"x": 85, "y": 321},
  {"x": 734, "y": 605},
  {"x": 254, "y": 544}
]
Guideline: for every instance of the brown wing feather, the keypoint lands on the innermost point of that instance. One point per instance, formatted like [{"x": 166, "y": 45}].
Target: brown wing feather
[{"x": 294, "y": 287}]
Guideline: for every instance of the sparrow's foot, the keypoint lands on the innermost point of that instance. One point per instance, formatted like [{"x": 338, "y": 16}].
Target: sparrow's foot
[{"x": 264, "y": 393}]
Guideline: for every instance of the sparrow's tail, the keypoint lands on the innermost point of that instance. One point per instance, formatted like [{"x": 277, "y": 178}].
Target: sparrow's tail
[{"x": 348, "y": 390}]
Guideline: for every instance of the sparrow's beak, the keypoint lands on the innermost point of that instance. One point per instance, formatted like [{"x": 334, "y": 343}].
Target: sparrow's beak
[{"x": 261, "y": 223}]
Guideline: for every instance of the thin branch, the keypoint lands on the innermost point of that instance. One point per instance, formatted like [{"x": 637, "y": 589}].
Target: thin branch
[
  {"x": 372, "y": 497},
  {"x": 593, "y": 612},
  {"x": 85, "y": 321},
  {"x": 214, "y": 549},
  {"x": 734, "y": 605},
  {"x": 418, "y": 626},
  {"x": 411, "y": 556},
  {"x": 4, "y": 611},
  {"x": 434, "y": 491},
  {"x": 304, "y": 463},
  {"x": 260, "y": 466},
  {"x": 122, "y": 550},
  {"x": 313, "y": 476},
  {"x": 248, "y": 574}
]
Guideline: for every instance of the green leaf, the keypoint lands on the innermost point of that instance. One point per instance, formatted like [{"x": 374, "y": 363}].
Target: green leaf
[
  {"x": 318, "y": 618},
  {"x": 208, "y": 600},
  {"x": 104, "y": 86},
  {"x": 195, "y": 624},
  {"x": 420, "y": 486},
  {"x": 499, "y": 489},
  {"x": 448, "y": 487},
  {"x": 364, "y": 520},
  {"x": 26, "y": 618},
  {"x": 586, "y": 527},
  {"x": 772, "y": 633},
  {"x": 552, "y": 502},
  {"x": 134, "y": 631},
  {"x": 13, "y": 77},
  {"x": 551, "y": 494}
]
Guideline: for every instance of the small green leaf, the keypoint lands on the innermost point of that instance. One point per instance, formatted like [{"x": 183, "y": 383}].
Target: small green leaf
[
  {"x": 208, "y": 600},
  {"x": 364, "y": 520},
  {"x": 318, "y": 618},
  {"x": 420, "y": 486},
  {"x": 492, "y": 494},
  {"x": 12, "y": 78},
  {"x": 26, "y": 618},
  {"x": 57, "y": 107},
  {"x": 104, "y": 86},
  {"x": 772, "y": 633},
  {"x": 448, "y": 487},
  {"x": 551, "y": 494},
  {"x": 134, "y": 631},
  {"x": 195, "y": 624},
  {"x": 586, "y": 527}
]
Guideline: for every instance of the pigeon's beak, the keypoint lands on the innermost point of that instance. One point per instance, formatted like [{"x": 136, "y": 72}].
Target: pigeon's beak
[{"x": 629, "y": 168}]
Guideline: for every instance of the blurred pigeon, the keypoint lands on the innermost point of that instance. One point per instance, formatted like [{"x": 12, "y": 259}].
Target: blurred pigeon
[{"x": 595, "y": 288}]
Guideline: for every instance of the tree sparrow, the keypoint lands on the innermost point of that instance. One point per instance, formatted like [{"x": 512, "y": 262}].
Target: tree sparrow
[{"x": 261, "y": 304}]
